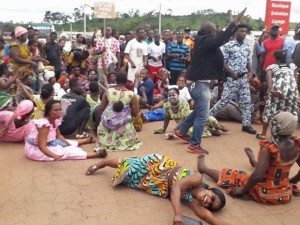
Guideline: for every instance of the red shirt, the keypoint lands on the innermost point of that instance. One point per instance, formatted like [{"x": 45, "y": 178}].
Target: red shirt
[{"x": 270, "y": 45}]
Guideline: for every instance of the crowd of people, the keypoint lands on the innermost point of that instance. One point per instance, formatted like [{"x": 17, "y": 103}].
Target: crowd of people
[{"x": 59, "y": 95}]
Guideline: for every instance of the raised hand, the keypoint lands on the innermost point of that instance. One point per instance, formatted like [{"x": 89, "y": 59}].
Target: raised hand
[{"x": 239, "y": 17}]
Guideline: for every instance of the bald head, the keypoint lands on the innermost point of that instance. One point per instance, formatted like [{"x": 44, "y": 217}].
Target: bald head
[{"x": 208, "y": 28}]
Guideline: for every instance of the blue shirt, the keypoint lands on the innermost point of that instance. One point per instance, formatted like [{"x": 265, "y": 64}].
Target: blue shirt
[
  {"x": 149, "y": 87},
  {"x": 181, "y": 49},
  {"x": 236, "y": 56}
]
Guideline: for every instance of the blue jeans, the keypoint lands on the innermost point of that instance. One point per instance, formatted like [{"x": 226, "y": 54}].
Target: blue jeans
[{"x": 197, "y": 119}]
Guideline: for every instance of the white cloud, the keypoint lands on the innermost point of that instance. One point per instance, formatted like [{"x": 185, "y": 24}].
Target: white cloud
[{"x": 34, "y": 10}]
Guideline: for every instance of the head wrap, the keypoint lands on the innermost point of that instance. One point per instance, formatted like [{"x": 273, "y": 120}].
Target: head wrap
[
  {"x": 23, "y": 108},
  {"x": 283, "y": 124},
  {"x": 62, "y": 80},
  {"x": 20, "y": 30},
  {"x": 48, "y": 74}
]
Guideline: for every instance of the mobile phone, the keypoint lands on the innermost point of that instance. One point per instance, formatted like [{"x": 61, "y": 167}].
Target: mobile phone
[{"x": 189, "y": 221}]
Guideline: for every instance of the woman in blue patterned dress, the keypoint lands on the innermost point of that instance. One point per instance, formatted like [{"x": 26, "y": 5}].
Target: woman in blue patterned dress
[{"x": 159, "y": 175}]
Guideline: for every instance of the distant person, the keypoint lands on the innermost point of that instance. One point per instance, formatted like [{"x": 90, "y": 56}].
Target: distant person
[
  {"x": 150, "y": 37},
  {"x": 189, "y": 42},
  {"x": 51, "y": 52}
]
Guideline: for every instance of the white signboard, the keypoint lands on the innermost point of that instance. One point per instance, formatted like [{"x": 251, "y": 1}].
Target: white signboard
[{"x": 104, "y": 10}]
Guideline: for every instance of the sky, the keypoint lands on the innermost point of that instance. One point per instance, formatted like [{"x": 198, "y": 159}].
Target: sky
[{"x": 34, "y": 10}]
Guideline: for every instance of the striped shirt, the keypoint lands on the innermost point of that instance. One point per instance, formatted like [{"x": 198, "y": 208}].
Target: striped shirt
[{"x": 180, "y": 49}]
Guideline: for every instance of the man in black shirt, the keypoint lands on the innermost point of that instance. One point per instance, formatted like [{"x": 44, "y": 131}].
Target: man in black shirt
[
  {"x": 206, "y": 65},
  {"x": 76, "y": 111},
  {"x": 52, "y": 54}
]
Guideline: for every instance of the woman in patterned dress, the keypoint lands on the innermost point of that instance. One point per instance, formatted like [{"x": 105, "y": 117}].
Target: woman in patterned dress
[
  {"x": 269, "y": 183},
  {"x": 159, "y": 175},
  {"x": 283, "y": 91},
  {"x": 178, "y": 110},
  {"x": 116, "y": 131}
]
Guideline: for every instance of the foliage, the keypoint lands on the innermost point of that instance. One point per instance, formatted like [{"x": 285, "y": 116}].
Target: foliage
[{"x": 133, "y": 19}]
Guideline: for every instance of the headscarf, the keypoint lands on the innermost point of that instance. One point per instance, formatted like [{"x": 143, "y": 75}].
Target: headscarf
[
  {"x": 20, "y": 30},
  {"x": 62, "y": 80},
  {"x": 48, "y": 74},
  {"x": 23, "y": 108},
  {"x": 283, "y": 124}
]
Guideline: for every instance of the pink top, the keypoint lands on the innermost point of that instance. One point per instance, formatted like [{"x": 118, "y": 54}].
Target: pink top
[{"x": 13, "y": 134}]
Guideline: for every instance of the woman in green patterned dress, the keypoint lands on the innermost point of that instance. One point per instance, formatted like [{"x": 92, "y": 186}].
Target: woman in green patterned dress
[
  {"x": 116, "y": 131},
  {"x": 159, "y": 175}
]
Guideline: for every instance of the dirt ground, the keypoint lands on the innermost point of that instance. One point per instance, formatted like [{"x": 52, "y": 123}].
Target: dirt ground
[{"x": 59, "y": 193}]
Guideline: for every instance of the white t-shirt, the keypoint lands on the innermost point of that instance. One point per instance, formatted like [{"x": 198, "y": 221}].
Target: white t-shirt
[
  {"x": 184, "y": 93},
  {"x": 136, "y": 50},
  {"x": 156, "y": 51}
]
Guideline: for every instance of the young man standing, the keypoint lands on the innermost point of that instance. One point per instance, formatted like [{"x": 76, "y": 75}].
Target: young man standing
[
  {"x": 178, "y": 52},
  {"x": 52, "y": 54},
  {"x": 237, "y": 64},
  {"x": 136, "y": 52},
  {"x": 189, "y": 42},
  {"x": 156, "y": 51}
]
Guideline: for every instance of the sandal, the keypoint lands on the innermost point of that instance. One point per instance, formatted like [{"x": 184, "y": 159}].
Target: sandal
[
  {"x": 92, "y": 169},
  {"x": 224, "y": 129},
  {"x": 261, "y": 137},
  {"x": 295, "y": 190}
]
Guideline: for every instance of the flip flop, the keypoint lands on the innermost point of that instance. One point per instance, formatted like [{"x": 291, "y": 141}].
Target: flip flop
[
  {"x": 295, "y": 190},
  {"x": 261, "y": 137},
  {"x": 92, "y": 169}
]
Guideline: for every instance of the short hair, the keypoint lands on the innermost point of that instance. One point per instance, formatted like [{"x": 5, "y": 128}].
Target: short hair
[
  {"x": 127, "y": 33},
  {"x": 49, "y": 105},
  {"x": 53, "y": 33},
  {"x": 139, "y": 29},
  {"x": 121, "y": 78},
  {"x": 47, "y": 90},
  {"x": 94, "y": 87},
  {"x": 77, "y": 35},
  {"x": 243, "y": 25},
  {"x": 73, "y": 83}
]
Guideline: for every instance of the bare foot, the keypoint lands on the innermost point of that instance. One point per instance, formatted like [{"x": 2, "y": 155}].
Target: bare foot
[
  {"x": 201, "y": 163},
  {"x": 251, "y": 156}
]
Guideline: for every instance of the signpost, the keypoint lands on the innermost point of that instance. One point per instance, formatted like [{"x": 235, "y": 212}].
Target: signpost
[
  {"x": 278, "y": 11},
  {"x": 104, "y": 10}
]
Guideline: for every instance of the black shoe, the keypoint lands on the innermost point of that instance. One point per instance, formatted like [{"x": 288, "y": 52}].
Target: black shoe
[{"x": 248, "y": 129}]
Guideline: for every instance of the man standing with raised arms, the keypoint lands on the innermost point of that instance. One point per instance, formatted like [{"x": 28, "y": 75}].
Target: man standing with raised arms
[{"x": 206, "y": 65}]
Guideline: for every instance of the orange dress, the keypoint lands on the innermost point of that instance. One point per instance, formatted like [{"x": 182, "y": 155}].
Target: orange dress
[{"x": 274, "y": 188}]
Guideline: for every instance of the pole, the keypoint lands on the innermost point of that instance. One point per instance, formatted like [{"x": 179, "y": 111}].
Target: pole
[
  {"x": 84, "y": 23},
  {"x": 71, "y": 29},
  {"x": 104, "y": 25},
  {"x": 159, "y": 19}
]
